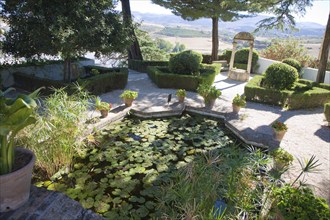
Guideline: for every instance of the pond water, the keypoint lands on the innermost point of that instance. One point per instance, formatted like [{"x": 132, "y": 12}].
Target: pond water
[{"x": 119, "y": 174}]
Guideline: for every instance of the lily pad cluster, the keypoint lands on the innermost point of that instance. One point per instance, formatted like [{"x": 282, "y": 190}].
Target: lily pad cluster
[{"x": 120, "y": 177}]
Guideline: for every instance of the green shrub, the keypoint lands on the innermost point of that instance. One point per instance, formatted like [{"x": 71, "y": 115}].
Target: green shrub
[
  {"x": 294, "y": 63},
  {"x": 280, "y": 76},
  {"x": 300, "y": 203},
  {"x": 327, "y": 111},
  {"x": 242, "y": 56},
  {"x": 187, "y": 63},
  {"x": 208, "y": 92},
  {"x": 162, "y": 77},
  {"x": 290, "y": 99},
  {"x": 239, "y": 100},
  {"x": 242, "y": 66},
  {"x": 58, "y": 133},
  {"x": 142, "y": 66}
]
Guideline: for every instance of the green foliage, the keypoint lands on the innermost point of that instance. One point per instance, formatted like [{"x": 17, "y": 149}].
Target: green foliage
[
  {"x": 178, "y": 47},
  {"x": 15, "y": 115},
  {"x": 208, "y": 92},
  {"x": 242, "y": 56},
  {"x": 150, "y": 48},
  {"x": 120, "y": 173},
  {"x": 164, "y": 45},
  {"x": 294, "y": 63},
  {"x": 221, "y": 174},
  {"x": 239, "y": 100},
  {"x": 99, "y": 105},
  {"x": 63, "y": 28},
  {"x": 280, "y": 76},
  {"x": 95, "y": 72},
  {"x": 56, "y": 136},
  {"x": 181, "y": 93},
  {"x": 187, "y": 63},
  {"x": 129, "y": 94},
  {"x": 181, "y": 32},
  {"x": 300, "y": 203},
  {"x": 282, "y": 156},
  {"x": 291, "y": 99},
  {"x": 164, "y": 79},
  {"x": 288, "y": 48},
  {"x": 327, "y": 111},
  {"x": 142, "y": 65},
  {"x": 279, "y": 126}
]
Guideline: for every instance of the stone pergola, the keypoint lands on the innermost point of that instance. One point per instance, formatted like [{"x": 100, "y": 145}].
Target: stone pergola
[{"x": 239, "y": 74}]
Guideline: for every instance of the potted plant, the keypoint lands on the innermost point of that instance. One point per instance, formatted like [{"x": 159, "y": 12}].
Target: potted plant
[
  {"x": 279, "y": 129},
  {"x": 181, "y": 94},
  {"x": 103, "y": 107},
  {"x": 128, "y": 96},
  {"x": 281, "y": 159},
  {"x": 238, "y": 103},
  {"x": 16, "y": 164},
  {"x": 209, "y": 93}
]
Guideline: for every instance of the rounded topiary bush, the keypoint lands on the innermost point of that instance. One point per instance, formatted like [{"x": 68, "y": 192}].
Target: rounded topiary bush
[
  {"x": 242, "y": 56},
  {"x": 293, "y": 62},
  {"x": 186, "y": 62},
  {"x": 280, "y": 76}
]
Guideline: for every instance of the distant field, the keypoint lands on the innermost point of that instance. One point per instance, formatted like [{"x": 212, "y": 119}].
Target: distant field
[{"x": 182, "y": 32}]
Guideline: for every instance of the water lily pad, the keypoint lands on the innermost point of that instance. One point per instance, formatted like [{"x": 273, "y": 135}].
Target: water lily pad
[{"x": 101, "y": 207}]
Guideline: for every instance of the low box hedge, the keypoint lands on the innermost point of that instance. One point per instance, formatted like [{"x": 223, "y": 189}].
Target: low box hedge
[
  {"x": 299, "y": 98},
  {"x": 115, "y": 78},
  {"x": 141, "y": 66},
  {"x": 162, "y": 77}
]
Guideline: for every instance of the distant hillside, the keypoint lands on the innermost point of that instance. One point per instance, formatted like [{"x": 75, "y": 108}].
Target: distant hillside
[{"x": 246, "y": 24}]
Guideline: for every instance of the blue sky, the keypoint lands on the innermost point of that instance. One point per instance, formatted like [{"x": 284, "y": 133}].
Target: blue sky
[{"x": 318, "y": 13}]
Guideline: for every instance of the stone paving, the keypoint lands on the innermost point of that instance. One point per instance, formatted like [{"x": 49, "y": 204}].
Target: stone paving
[{"x": 307, "y": 135}]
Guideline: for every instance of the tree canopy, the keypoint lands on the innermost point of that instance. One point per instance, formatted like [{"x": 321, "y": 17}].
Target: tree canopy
[{"x": 61, "y": 27}]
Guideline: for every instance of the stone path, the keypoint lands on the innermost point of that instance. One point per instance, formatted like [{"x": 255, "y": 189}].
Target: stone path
[{"x": 307, "y": 136}]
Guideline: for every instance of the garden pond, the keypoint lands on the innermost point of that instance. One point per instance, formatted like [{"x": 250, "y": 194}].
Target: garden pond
[{"x": 125, "y": 165}]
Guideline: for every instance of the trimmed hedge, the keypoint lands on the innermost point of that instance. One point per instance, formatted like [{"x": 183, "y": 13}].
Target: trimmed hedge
[
  {"x": 208, "y": 60},
  {"x": 106, "y": 82},
  {"x": 164, "y": 79},
  {"x": 294, "y": 63},
  {"x": 142, "y": 66},
  {"x": 114, "y": 79},
  {"x": 291, "y": 99},
  {"x": 187, "y": 62},
  {"x": 280, "y": 76}
]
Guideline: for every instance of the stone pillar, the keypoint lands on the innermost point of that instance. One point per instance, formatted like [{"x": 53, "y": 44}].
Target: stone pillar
[
  {"x": 250, "y": 58},
  {"x": 232, "y": 58}
]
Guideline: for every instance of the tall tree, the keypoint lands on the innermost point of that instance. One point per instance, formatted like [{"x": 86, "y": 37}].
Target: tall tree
[
  {"x": 224, "y": 10},
  {"x": 61, "y": 27},
  {"x": 324, "y": 54},
  {"x": 134, "y": 51}
]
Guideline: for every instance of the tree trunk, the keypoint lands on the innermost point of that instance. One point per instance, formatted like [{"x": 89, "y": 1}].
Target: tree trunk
[
  {"x": 324, "y": 54},
  {"x": 134, "y": 51},
  {"x": 215, "y": 38},
  {"x": 67, "y": 70}
]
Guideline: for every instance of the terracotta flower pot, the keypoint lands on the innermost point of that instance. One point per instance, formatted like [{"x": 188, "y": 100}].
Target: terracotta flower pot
[
  {"x": 104, "y": 113},
  {"x": 128, "y": 102},
  {"x": 181, "y": 99},
  {"x": 279, "y": 135},
  {"x": 236, "y": 108},
  {"x": 209, "y": 104},
  {"x": 15, "y": 186}
]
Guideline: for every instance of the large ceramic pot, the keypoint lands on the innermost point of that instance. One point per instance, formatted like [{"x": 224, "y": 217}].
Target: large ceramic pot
[
  {"x": 236, "y": 108},
  {"x": 15, "y": 186},
  {"x": 209, "y": 104},
  {"x": 279, "y": 135},
  {"x": 104, "y": 113},
  {"x": 181, "y": 99}
]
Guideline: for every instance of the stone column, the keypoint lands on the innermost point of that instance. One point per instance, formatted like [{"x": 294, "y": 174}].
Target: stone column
[
  {"x": 250, "y": 58},
  {"x": 232, "y": 58}
]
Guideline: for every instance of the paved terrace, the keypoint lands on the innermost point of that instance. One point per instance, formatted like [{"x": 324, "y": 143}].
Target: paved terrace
[{"x": 307, "y": 135}]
